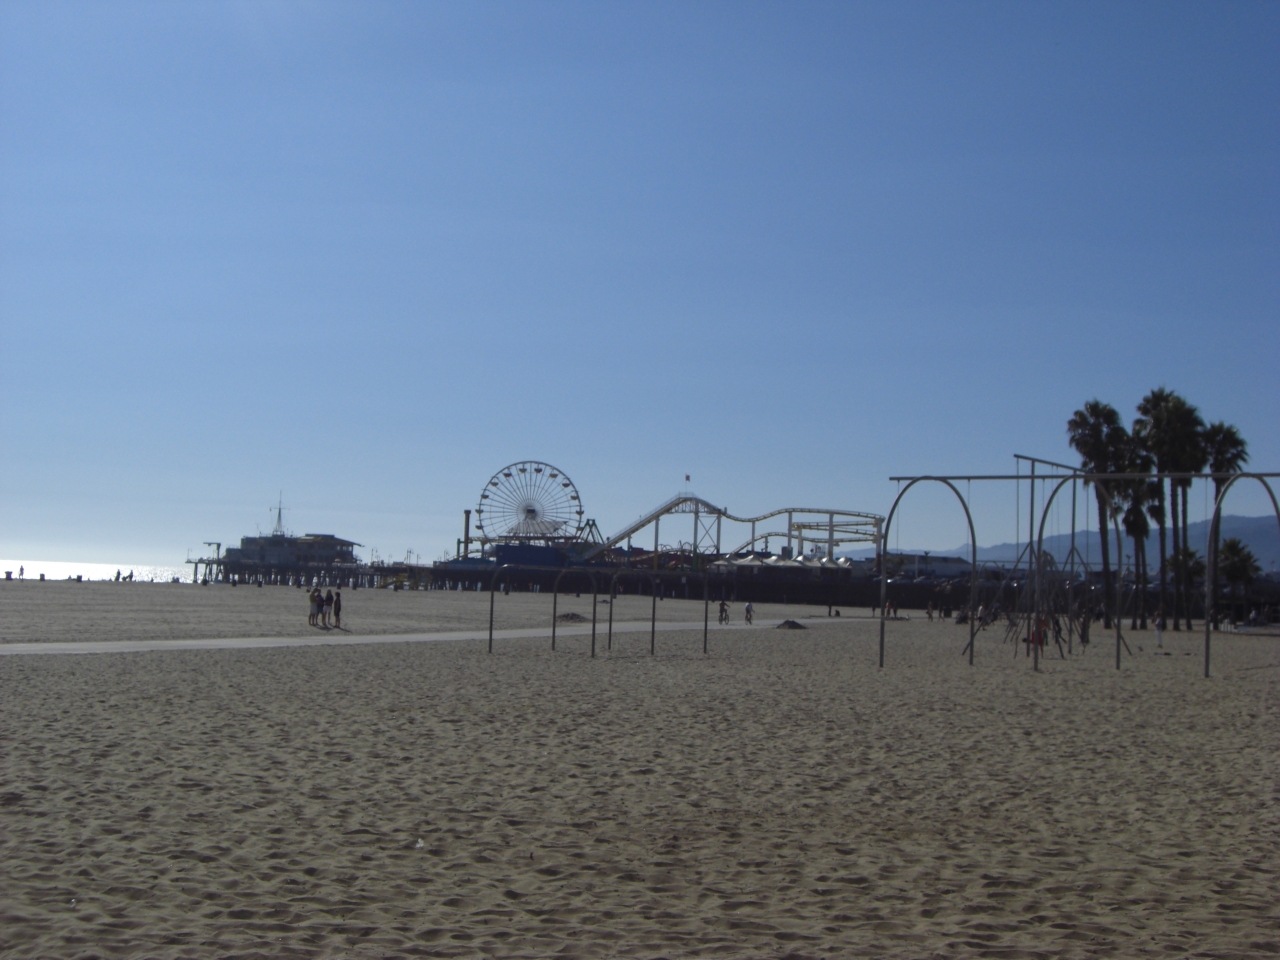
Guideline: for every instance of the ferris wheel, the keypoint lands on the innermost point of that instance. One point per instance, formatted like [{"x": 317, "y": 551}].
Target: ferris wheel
[{"x": 529, "y": 500}]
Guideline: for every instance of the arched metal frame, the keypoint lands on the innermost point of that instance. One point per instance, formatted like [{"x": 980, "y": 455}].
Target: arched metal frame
[
  {"x": 1076, "y": 474},
  {"x": 1211, "y": 553},
  {"x": 1115, "y": 592},
  {"x": 1211, "y": 558},
  {"x": 973, "y": 566},
  {"x": 1210, "y": 548}
]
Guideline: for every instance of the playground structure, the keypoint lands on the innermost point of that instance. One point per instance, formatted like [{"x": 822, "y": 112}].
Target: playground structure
[
  {"x": 1041, "y": 599},
  {"x": 1048, "y": 601}
]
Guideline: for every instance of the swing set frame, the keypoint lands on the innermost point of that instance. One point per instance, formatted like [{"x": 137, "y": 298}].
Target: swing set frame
[{"x": 1039, "y": 567}]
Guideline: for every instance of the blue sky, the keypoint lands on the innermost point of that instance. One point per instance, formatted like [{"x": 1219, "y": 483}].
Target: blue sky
[{"x": 367, "y": 254}]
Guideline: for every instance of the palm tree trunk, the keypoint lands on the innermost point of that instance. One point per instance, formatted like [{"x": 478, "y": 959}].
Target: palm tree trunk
[
  {"x": 1177, "y": 576},
  {"x": 1106, "y": 555}
]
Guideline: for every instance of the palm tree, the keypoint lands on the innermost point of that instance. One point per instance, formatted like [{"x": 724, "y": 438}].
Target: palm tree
[
  {"x": 1188, "y": 567},
  {"x": 1172, "y": 431},
  {"x": 1095, "y": 432},
  {"x": 1237, "y": 564},
  {"x": 1190, "y": 456},
  {"x": 1227, "y": 452},
  {"x": 1137, "y": 495},
  {"x": 1151, "y": 429}
]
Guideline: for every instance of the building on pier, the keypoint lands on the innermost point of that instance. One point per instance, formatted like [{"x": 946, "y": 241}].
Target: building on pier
[{"x": 282, "y": 559}]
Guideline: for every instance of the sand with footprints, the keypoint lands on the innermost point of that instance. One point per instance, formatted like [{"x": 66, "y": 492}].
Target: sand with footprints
[{"x": 779, "y": 797}]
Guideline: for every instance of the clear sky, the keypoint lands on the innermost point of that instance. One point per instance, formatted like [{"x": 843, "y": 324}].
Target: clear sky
[{"x": 369, "y": 253}]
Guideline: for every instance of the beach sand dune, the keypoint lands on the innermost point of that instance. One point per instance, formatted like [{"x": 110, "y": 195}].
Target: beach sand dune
[{"x": 781, "y": 797}]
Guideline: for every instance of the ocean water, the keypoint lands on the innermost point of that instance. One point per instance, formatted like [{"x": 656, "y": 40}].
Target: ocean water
[{"x": 62, "y": 570}]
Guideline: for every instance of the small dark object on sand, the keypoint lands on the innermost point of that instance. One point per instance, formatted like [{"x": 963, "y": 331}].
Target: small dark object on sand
[
  {"x": 791, "y": 625},
  {"x": 571, "y": 618}
]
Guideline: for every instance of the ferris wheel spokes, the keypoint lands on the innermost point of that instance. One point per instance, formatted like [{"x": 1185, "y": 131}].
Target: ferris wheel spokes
[{"x": 529, "y": 500}]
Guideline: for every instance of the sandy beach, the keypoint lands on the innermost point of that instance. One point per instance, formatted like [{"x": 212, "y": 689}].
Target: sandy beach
[
  {"x": 62, "y": 611},
  {"x": 779, "y": 797}
]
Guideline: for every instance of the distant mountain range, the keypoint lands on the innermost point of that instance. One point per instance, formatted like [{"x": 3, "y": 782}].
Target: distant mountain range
[{"x": 1262, "y": 534}]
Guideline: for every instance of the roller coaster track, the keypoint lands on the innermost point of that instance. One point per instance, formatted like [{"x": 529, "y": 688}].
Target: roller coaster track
[{"x": 850, "y": 525}]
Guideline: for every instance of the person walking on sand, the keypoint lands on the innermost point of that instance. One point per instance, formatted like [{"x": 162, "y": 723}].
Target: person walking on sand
[
  {"x": 328, "y": 608},
  {"x": 748, "y": 612},
  {"x": 1159, "y": 628},
  {"x": 314, "y": 616},
  {"x": 337, "y": 609}
]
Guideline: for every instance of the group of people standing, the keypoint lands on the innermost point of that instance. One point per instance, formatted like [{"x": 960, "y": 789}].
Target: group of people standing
[{"x": 326, "y": 609}]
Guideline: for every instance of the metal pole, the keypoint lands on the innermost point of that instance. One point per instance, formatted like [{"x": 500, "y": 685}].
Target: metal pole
[
  {"x": 555, "y": 601},
  {"x": 1211, "y": 553},
  {"x": 595, "y": 603},
  {"x": 653, "y": 616},
  {"x": 655, "y": 542},
  {"x": 973, "y": 575},
  {"x": 789, "y": 533},
  {"x": 884, "y": 590},
  {"x": 706, "y": 613},
  {"x": 831, "y": 536},
  {"x": 493, "y": 582},
  {"x": 1033, "y": 564},
  {"x": 613, "y": 597},
  {"x": 973, "y": 609},
  {"x": 1120, "y": 572},
  {"x": 1115, "y": 603},
  {"x": 719, "y": 517},
  {"x": 1071, "y": 582},
  {"x": 1210, "y": 578}
]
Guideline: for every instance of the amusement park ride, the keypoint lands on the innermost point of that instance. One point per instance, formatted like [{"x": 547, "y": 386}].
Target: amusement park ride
[{"x": 533, "y": 510}]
